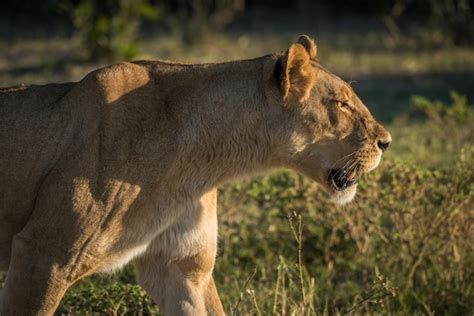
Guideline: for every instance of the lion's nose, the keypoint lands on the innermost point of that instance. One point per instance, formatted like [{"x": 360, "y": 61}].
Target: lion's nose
[
  {"x": 384, "y": 141},
  {"x": 383, "y": 145}
]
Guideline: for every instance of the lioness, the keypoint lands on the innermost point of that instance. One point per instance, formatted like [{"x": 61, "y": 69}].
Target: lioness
[{"x": 124, "y": 166}]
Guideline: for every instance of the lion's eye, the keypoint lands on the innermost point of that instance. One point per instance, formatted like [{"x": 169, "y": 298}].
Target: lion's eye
[{"x": 346, "y": 105}]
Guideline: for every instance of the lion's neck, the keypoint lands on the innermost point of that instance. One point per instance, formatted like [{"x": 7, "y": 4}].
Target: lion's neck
[{"x": 223, "y": 130}]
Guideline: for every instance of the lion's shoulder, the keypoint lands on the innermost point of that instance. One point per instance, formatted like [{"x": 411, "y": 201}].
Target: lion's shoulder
[{"x": 119, "y": 79}]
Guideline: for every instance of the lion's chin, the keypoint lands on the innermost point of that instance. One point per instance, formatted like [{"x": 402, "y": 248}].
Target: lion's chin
[
  {"x": 344, "y": 196},
  {"x": 341, "y": 194}
]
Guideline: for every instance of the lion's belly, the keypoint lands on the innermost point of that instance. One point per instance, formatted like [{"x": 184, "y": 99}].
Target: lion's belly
[{"x": 118, "y": 262}]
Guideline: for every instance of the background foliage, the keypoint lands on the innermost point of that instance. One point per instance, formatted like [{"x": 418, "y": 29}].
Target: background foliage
[
  {"x": 404, "y": 247},
  {"x": 109, "y": 28}
]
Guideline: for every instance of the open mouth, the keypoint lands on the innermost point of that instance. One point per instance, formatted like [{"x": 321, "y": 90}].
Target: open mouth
[{"x": 341, "y": 179}]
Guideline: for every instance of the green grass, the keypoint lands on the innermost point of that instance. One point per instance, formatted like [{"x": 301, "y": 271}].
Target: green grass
[{"x": 403, "y": 247}]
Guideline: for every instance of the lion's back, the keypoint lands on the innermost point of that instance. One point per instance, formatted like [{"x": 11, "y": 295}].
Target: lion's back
[
  {"x": 31, "y": 97},
  {"x": 31, "y": 132}
]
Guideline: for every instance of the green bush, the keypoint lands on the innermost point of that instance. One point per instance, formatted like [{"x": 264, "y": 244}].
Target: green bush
[
  {"x": 458, "y": 112},
  {"x": 412, "y": 225},
  {"x": 115, "y": 298},
  {"x": 446, "y": 130},
  {"x": 109, "y": 28}
]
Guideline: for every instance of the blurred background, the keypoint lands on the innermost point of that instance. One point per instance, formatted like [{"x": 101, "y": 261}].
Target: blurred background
[
  {"x": 413, "y": 46},
  {"x": 404, "y": 247}
]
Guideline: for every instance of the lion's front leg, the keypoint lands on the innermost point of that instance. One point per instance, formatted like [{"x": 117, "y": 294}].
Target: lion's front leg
[
  {"x": 36, "y": 280},
  {"x": 177, "y": 268},
  {"x": 181, "y": 287},
  {"x": 212, "y": 300}
]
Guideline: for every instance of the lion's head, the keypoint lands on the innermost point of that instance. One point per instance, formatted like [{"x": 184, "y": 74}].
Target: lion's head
[{"x": 332, "y": 137}]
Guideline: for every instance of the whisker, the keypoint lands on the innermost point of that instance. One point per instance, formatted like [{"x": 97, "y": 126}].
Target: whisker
[
  {"x": 341, "y": 173},
  {"x": 349, "y": 168},
  {"x": 354, "y": 168},
  {"x": 348, "y": 164},
  {"x": 344, "y": 157}
]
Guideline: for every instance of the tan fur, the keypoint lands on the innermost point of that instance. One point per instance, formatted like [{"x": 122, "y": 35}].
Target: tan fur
[
  {"x": 309, "y": 45},
  {"x": 123, "y": 166},
  {"x": 298, "y": 77}
]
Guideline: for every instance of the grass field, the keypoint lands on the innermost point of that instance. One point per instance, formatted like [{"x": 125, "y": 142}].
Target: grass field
[{"x": 405, "y": 246}]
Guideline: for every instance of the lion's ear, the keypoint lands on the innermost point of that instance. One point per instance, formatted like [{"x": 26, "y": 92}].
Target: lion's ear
[
  {"x": 309, "y": 44},
  {"x": 295, "y": 73}
]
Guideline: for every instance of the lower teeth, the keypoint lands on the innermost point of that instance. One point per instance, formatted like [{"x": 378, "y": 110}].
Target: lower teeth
[{"x": 347, "y": 183}]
